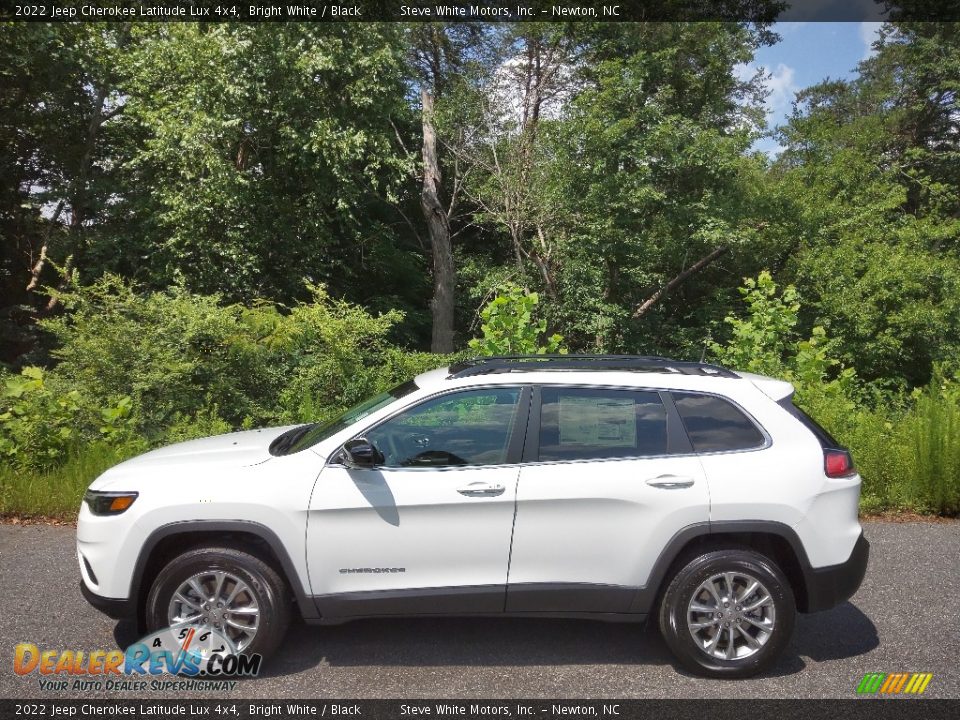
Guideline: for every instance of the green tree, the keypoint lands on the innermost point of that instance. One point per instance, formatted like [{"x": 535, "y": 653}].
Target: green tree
[
  {"x": 870, "y": 167},
  {"x": 758, "y": 342},
  {"x": 184, "y": 358},
  {"x": 264, "y": 156},
  {"x": 58, "y": 99},
  {"x": 649, "y": 169}
]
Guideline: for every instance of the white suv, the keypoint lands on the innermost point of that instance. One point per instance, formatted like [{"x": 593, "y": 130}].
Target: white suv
[{"x": 607, "y": 487}]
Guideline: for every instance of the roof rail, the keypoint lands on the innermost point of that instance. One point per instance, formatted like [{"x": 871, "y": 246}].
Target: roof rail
[{"x": 630, "y": 363}]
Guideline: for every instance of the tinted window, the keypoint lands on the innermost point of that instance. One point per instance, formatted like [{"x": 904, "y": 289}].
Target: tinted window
[
  {"x": 578, "y": 424},
  {"x": 714, "y": 424},
  {"x": 468, "y": 428}
]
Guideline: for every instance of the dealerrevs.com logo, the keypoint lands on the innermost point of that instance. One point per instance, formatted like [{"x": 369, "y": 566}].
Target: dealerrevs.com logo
[
  {"x": 894, "y": 683},
  {"x": 201, "y": 659}
]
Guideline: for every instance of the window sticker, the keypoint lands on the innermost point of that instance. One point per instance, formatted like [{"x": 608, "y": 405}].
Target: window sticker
[{"x": 597, "y": 421}]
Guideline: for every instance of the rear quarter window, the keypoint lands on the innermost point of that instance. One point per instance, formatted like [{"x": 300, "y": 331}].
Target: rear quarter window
[{"x": 716, "y": 425}]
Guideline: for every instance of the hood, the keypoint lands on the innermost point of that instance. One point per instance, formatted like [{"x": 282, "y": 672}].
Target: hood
[{"x": 239, "y": 449}]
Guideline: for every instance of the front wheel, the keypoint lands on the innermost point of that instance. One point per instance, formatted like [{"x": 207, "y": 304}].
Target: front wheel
[
  {"x": 728, "y": 614},
  {"x": 222, "y": 589}
]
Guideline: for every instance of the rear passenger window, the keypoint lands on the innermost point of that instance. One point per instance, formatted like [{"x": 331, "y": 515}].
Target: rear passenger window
[
  {"x": 714, "y": 424},
  {"x": 591, "y": 424}
]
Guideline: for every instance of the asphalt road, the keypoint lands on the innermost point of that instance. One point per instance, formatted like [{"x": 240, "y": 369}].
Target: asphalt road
[{"x": 905, "y": 618}]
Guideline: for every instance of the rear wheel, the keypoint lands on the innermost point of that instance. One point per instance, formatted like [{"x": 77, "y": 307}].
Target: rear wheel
[
  {"x": 222, "y": 589},
  {"x": 728, "y": 613}
]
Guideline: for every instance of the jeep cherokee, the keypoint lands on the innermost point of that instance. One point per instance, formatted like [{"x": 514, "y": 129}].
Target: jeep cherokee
[{"x": 605, "y": 487}]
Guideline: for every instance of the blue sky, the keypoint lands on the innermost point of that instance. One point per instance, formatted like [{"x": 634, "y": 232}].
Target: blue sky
[{"x": 807, "y": 53}]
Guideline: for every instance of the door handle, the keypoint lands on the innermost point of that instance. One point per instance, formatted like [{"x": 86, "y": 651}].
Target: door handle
[
  {"x": 481, "y": 489},
  {"x": 670, "y": 482}
]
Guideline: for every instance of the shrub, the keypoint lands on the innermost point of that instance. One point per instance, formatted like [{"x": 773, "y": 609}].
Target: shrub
[
  {"x": 509, "y": 327},
  {"x": 932, "y": 431},
  {"x": 764, "y": 342},
  {"x": 42, "y": 418},
  {"x": 760, "y": 341},
  {"x": 188, "y": 359},
  {"x": 174, "y": 354}
]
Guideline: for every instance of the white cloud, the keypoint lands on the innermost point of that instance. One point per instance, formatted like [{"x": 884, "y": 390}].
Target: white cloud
[
  {"x": 744, "y": 71},
  {"x": 869, "y": 31},
  {"x": 507, "y": 90},
  {"x": 782, "y": 88},
  {"x": 779, "y": 82}
]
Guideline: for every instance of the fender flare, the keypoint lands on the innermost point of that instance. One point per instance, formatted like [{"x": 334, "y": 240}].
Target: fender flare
[
  {"x": 248, "y": 527},
  {"x": 646, "y": 596}
]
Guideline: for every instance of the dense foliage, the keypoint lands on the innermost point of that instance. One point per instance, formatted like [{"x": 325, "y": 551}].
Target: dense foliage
[
  {"x": 508, "y": 327},
  {"x": 213, "y": 227}
]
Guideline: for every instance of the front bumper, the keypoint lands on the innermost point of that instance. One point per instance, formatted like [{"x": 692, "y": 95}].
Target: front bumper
[
  {"x": 118, "y": 609},
  {"x": 829, "y": 586}
]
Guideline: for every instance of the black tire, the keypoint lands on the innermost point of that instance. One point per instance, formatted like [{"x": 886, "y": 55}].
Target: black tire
[
  {"x": 680, "y": 592},
  {"x": 271, "y": 592}
]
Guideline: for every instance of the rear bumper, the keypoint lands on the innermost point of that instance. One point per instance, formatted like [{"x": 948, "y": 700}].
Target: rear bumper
[
  {"x": 118, "y": 609},
  {"x": 829, "y": 586}
]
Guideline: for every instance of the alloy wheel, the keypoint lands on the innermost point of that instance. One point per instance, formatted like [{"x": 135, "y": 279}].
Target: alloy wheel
[
  {"x": 731, "y": 615},
  {"x": 218, "y": 600}
]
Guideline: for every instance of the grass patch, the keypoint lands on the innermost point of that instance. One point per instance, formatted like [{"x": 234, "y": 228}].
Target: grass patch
[
  {"x": 57, "y": 492},
  {"x": 909, "y": 457}
]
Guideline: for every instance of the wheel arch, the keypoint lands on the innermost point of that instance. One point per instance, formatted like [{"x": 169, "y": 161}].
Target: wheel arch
[
  {"x": 168, "y": 541},
  {"x": 776, "y": 540}
]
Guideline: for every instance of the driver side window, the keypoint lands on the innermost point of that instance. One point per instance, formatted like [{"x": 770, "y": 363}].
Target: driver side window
[{"x": 465, "y": 428}]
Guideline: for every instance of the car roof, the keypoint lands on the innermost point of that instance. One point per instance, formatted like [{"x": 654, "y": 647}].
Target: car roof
[
  {"x": 593, "y": 363},
  {"x": 612, "y": 370}
]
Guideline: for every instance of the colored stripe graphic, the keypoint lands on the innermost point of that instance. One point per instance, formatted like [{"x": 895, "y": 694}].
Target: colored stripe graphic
[
  {"x": 894, "y": 683},
  {"x": 923, "y": 679},
  {"x": 871, "y": 682}
]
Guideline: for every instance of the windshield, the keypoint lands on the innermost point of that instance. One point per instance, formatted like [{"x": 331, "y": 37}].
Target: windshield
[{"x": 306, "y": 436}]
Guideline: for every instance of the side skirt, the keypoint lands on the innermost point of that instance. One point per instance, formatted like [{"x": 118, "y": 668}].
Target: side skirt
[
  {"x": 633, "y": 618},
  {"x": 561, "y": 600}
]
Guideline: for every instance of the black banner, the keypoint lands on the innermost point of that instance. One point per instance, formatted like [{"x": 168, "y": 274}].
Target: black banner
[
  {"x": 477, "y": 11},
  {"x": 874, "y": 709}
]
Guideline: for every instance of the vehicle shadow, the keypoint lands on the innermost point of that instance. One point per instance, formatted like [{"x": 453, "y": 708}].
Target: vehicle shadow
[
  {"x": 839, "y": 633},
  {"x": 836, "y": 634},
  {"x": 467, "y": 642},
  {"x": 125, "y": 634}
]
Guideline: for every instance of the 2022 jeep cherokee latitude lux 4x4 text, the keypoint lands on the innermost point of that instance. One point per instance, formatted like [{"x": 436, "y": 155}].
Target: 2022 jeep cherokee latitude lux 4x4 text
[{"x": 608, "y": 487}]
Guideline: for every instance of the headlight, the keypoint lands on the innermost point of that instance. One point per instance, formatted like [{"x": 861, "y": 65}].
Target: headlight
[{"x": 108, "y": 503}]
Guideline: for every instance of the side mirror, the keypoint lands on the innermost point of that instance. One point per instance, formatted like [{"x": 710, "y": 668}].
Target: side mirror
[{"x": 361, "y": 453}]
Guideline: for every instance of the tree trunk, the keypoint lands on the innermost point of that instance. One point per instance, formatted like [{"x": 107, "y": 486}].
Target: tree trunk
[
  {"x": 38, "y": 266},
  {"x": 444, "y": 274},
  {"x": 542, "y": 259},
  {"x": 77, "y": 192},
  {"x": 678, "y": 280}
]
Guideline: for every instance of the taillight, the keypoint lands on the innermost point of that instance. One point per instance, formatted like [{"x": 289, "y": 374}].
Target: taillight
[{"x": 838, "y": 463}]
